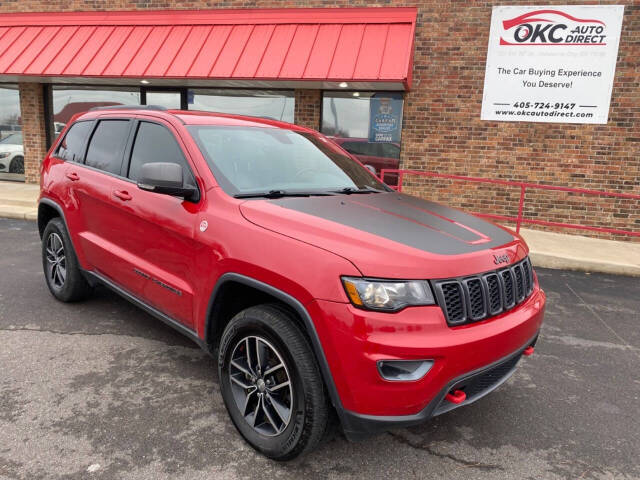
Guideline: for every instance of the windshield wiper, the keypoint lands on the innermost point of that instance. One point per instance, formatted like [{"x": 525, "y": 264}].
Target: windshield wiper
[
  {"x": 278, "y": 194},
  {"x": 351, "y": 190}
]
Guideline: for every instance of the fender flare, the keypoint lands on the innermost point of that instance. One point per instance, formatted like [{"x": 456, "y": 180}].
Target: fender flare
[
  {"x": 53, "y": 204},
  {"x": 299, "y": 308},
  {"x": 56, "y": 206}
]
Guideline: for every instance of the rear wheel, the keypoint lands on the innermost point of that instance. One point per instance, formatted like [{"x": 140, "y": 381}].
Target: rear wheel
[
  {"x": 17, "y": 165},
  {"x": 61, "y": 269},
  {"x": 271, "y": 384}
]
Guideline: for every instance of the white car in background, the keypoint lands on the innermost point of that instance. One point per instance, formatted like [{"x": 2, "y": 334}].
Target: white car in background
[{"x": 12, "y": 154}]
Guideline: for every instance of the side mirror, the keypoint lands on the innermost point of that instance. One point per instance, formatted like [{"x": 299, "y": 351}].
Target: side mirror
[
  {"x": 165, "y": 178},
  {"x": 371, "y": 168}
]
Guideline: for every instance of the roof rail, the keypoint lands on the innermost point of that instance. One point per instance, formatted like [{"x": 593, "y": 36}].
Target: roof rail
[{"x": 129, "y": 107}]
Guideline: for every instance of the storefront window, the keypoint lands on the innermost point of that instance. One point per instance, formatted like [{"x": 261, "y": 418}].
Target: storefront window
[
  {"x": 367, "y": 125},
  {"x": 67, "y": 101},
  {"x": 164, "y": 98},
  {"x": 11, "y": 150},
  {"x": 274, "y": 104}
]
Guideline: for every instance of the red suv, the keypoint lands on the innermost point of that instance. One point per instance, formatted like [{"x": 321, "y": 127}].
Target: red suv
[{"x": 317, "y": 288}]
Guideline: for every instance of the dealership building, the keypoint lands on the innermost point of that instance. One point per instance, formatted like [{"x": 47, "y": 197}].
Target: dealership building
[{"x": 397, "y": 84}]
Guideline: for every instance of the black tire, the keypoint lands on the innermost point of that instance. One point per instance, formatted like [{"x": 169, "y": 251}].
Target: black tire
[
  {"x": 61, "y": 269},
  {"x": 275, "y": 328},
  {"x": 17, "y": 165}
]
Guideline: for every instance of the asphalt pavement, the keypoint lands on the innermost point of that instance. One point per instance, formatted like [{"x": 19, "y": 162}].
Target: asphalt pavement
[{"x": 100, "y": 389}]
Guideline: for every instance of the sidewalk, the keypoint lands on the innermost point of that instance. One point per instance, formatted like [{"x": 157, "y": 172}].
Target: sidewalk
[
  {"x": 575, "y": 252},
  {"x": 548, "y": 249},
  {"x": 18, "y": 200}
]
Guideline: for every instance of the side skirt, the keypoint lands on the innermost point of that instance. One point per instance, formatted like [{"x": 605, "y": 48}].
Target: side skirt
[{"x": 94, "y": 278}]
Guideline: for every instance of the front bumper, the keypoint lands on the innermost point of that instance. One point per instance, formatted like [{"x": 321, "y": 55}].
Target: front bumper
[
  {"x": 354, "y": 340},
  {"x": 475, "y": 384}
]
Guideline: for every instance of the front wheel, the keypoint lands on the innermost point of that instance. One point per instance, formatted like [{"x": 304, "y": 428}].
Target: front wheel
[{"x": 271, "y": 384}]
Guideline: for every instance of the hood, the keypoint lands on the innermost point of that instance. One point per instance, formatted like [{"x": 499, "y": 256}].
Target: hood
[{"x": 390, "y": 235}]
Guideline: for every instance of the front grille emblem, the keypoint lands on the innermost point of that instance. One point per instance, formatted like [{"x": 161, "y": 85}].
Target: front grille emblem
[{"x": 498, "y": 259}]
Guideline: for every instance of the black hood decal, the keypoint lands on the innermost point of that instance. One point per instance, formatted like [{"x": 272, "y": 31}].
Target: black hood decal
[{"x": 412, "y": 221}]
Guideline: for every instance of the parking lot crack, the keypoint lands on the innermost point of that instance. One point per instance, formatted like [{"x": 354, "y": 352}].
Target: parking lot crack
[
  {"x": 431, "y": 451},
  {"x": 60, "y": 332},
  {"x": 599, "y": 318}
]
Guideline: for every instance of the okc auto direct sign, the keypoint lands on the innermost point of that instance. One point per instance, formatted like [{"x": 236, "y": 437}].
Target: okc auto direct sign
[{"x": 551, "y": 64}]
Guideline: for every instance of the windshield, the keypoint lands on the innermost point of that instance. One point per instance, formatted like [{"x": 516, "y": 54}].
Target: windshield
[
  {"x": 248, "y": 160},
  {"x": 13, "y": 139}
]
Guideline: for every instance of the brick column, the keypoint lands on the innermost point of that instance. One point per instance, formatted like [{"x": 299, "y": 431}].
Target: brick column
[
  {"x": 33, "y": 129},
  {"x": 307, "y": 108}
]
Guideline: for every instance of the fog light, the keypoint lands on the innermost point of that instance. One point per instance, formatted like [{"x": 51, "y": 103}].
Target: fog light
[{"x": 404, "y": 370}]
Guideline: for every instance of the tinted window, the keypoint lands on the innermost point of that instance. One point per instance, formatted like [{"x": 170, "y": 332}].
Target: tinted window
[
  {"x": 72, "y": 146},
  {"x": 107, "y": 145},
  {"x": 154, "y": 143}
]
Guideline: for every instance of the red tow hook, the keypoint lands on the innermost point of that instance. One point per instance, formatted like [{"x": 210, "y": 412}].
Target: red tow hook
[
  {"x": 528, "y": 351},
  {"x": 457, "y": 396}
]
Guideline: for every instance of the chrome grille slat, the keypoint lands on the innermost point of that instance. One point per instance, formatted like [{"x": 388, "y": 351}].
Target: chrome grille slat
[{"x": 476, "y": 297}]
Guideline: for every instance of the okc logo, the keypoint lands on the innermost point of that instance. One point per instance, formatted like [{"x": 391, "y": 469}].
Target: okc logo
[{"x": 552, "y": 27}]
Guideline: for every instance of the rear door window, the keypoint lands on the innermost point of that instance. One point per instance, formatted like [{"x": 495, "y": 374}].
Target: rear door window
[
  {"x": 72, "y": 146},
  {"x": 155, "y": 143},
  {"x": 107, "y": 144}
]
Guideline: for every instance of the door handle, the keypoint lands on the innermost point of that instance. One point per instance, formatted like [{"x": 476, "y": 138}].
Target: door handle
[
  {"x": 73, "y": 176},
  {"x": 122, "y": 195}
]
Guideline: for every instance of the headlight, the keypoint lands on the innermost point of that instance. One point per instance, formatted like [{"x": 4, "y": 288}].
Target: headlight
[
  {"x": 387, "y": 295},
  {"x": 4, "y": 155}
]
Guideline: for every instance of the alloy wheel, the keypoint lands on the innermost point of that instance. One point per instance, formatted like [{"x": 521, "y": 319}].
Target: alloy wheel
[
  {"x": 261, "y": 385},
  {"x": 56, "y": 260}
]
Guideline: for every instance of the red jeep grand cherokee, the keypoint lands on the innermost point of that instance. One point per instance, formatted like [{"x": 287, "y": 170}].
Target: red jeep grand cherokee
[{"x": 317, "y": 287}]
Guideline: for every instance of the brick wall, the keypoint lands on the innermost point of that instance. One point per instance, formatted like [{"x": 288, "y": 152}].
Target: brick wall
[
  {"x": 442, "y": 126},
  {"x": 307, "y": 108},
  {"x": 33, "y": 129}
]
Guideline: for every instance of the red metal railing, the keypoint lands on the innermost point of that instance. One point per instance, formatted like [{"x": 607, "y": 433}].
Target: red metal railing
[{"x": 523, "y": 188}]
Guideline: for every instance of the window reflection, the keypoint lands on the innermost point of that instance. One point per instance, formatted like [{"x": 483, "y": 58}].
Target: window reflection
[
  {"x": 11, "y": 150},
  {"x": 165, "y": 99},
  {"x": 67, "y": 101},
  {"x": 366, "y": 124},
  {"x": 273, "y": 104}
]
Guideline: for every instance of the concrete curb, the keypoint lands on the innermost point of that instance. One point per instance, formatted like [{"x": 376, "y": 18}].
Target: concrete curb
[
  {"x": 18, "y": 212},
  {"x": 557, "y": 262},
  {"x": 586, "y": 254}
]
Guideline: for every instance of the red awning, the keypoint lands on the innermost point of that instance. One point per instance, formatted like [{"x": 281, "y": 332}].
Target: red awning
[{"x": 239, "y": 47}]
